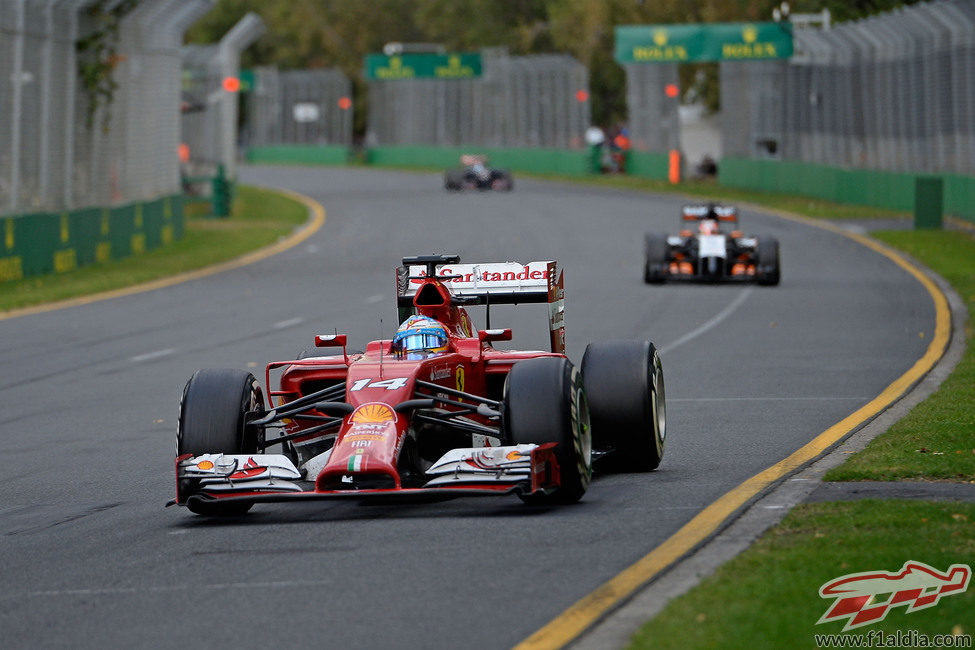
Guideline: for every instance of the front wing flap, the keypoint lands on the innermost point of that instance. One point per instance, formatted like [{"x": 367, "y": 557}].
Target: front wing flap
[{"x": 524, "y": 469}]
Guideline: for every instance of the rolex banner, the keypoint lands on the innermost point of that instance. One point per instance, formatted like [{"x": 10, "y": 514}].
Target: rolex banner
[
  {"x": 704, "y": 42},
  {"x": 380, "y": 67}
]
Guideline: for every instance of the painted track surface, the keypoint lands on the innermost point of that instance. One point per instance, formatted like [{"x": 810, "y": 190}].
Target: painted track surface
[{"x": 91, "y": 559}]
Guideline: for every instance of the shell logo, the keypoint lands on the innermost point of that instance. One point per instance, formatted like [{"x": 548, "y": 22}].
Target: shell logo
[
  {"x": 749, "y": 34},
  {"x": 205, "y": 465},
  {"x": 660, "y": 37},
  {"x": 373, "y": 412}
]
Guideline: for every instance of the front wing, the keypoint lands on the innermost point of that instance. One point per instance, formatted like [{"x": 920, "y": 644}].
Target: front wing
[{"x": 262, "y": 478}]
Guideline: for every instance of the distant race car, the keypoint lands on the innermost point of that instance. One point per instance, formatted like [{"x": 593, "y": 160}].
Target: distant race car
[
  {"x": 435, "y": 412},
  {"x": 710, "y": 248},
  {"x": 474, "y": 174}
]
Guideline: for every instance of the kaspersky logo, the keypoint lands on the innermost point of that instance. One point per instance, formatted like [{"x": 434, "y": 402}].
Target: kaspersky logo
[{"x": 916, "y": 586}]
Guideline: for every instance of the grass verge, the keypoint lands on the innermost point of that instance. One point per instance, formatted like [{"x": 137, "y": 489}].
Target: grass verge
[
  {"x": 768, "y": 597},
  {"x": 258, "y": 218},
  {"x": 709, "y": 189},
  {"x": 934, "y": 441}
]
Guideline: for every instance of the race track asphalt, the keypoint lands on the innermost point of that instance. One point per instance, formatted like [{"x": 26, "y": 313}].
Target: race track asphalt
[{"x": 91, "y": 559}]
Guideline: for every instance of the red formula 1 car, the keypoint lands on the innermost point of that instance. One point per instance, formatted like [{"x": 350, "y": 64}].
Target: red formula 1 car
[
  {"x": 437, "y": 411},
  {"x": 710, "y": 248}
]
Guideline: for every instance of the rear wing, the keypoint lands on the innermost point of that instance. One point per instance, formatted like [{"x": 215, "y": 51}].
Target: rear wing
[
  {"x": 696, "y": 212},
  {"x": 494, "y": 283}
]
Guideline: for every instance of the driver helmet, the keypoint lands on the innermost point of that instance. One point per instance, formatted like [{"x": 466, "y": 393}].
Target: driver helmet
[
  {"x": 419, "y": 337},
  {"x": 708, "y": 226}
]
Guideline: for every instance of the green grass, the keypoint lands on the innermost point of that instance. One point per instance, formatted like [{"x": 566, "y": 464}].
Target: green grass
[
  {"x": 709, "y": 189},
  {"x": 936, "y": 440},
  {"x": 259, "y": 217},
  {"x": 768, "y": 597}
]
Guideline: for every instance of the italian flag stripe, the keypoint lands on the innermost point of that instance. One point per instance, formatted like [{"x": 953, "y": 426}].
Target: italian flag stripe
[{"x": 355, "y": 463}]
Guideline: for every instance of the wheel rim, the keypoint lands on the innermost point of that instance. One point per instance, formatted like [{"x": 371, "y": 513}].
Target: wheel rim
[
  {"x": 584, "y": 433},
  {"x": 658, "y": 402}
]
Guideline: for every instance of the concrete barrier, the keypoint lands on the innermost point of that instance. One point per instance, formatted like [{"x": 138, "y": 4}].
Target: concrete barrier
[{"x": 882, "y": 189}]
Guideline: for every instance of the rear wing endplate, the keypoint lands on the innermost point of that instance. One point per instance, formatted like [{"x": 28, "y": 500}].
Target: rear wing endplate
[
  {"x": 496, "y": 283},
  {"x": 695, "y": 212}
]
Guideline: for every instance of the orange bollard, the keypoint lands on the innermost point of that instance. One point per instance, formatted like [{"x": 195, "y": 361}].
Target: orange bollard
[{"x": 673, "y": 171}]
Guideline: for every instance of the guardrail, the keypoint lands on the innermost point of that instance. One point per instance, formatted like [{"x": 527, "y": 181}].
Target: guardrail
[
  {"x": 882, "y": 189},
  {"x": 58, "y": 242}
]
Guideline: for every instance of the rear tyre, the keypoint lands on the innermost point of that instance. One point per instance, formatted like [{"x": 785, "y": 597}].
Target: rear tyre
[
  {"x": 453, "y": 179},
  {"x": 656, "y": 258},
  {"x": 502, "y": 180},
  {"x": 624, "y": 382},
  {"x": 212, "y": 420},
  {"x": 767, "y": 268},
  {"x": 545, "y": 402}
]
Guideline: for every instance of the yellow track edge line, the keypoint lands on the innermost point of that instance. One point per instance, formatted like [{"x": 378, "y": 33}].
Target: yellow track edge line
[
  {"x": 314, "y": 223},
  {"x": 571, "y": 623}
]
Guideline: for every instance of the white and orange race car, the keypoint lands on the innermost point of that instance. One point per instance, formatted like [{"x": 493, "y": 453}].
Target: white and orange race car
[{"x": 711, "y": 248}]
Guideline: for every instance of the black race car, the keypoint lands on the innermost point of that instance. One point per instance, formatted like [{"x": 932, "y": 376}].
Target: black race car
[
  {"x": 710, "y": 248},
  {"x": 474, "y": 174}
]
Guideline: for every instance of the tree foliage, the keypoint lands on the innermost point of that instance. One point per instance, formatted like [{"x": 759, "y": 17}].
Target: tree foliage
[{"x": 326, "y": 33}]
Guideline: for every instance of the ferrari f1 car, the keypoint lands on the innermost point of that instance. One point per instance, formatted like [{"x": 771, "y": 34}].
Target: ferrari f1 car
[
  {"x": 710, "y": 248},
  {"x": 435, "y": 412},
  {"x": 474, "y": 174}
]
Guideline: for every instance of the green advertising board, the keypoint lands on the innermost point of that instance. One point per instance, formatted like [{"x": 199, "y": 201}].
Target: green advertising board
[
  {"x": 398, "y": 67},
  {"x": 705, "y": 42}
]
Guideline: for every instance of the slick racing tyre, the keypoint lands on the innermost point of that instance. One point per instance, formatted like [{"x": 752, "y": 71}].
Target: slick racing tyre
[
  {"x": 545, "y": 402},
  {"x": 656, "y": 258},
  {"x": 624, "y": 382},
  {"x": 767, "y": 269},
  {"x": 453, "y": 180},
  {"x": 211, "y": 421},
  {"x": 501, "y": 180}
]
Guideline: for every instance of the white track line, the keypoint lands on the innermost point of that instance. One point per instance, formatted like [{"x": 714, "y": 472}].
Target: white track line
[
  {"x": 115, "y": 591},
  {"x": 152, "y": 355},
  {"x": 720, "y": 316},
  {"x": 280, "y": 325}
]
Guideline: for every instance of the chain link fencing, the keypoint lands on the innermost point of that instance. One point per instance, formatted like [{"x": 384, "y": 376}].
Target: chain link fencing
[
  {"x": 893, "y": 92},
  {"x": 653, "y": 116},
  {"x": 519, "y": 101},
  {"x": 211, "y": 83},
  {"x": 307, "y": 107},
  {"x": 58, "y": 150}
]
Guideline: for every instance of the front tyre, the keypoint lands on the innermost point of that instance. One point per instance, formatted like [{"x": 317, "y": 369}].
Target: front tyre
[
  {"x": 212, "y": 420},
  {"x": 624, "y": 382},
  {"x": 545, "y": 401},
  {"x": 656, "y": 258},
  {"x": 767, "y": 267}
]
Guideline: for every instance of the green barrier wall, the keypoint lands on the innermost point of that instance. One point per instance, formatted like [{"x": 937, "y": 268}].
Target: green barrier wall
[
  {"x": 34, "y": 244},
  {"x": 893, "y": 190},
  {"x": 299, "y": 154},
  {"x": 647, "y": 164},
  {"x": 552, "y": 161}
]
